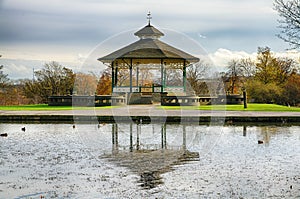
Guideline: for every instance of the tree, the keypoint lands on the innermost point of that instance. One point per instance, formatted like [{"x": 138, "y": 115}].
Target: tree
[
  {"x": 292, "y": 90},
  {"x": 104, "y": 83},
  {"x": 264, "y": 93},
  {"x": 270, "y": 82},
  {"x": 123, "y": 77},
  {"x": 289, "y": 11},
  {"x": 264, "y": 67},
  {"x": 196, "y": 75},
  {"x": 85, "y": 84},
  {"x": 3, "y": 78},
  {"x": 173, "y": 77},
  {"x": 270, "y": 69},
  {"x": 247, "y": 66},
  {"x": 53, "y": 79},
  {"x": 234, "y": 74},
  {"x": 145, "y": 77},
  {"x": 238, "y": 71}
]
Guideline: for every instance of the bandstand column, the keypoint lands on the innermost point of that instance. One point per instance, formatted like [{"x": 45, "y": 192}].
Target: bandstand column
[
  {"x": 130, "y": 69},
  {"x": 162, "y": 75},
  {"x": 165, "y": 75},
  {"x": 137, "y": 76},
  {"x": 112, "y": 77},
  {"x": 116, "y": 76},
  {"x": 184, "y": 76}
]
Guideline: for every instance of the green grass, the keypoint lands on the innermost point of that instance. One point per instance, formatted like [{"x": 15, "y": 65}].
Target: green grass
[
  {"x": 251, "y": 107},
  {"x": 45, "y": 107}
]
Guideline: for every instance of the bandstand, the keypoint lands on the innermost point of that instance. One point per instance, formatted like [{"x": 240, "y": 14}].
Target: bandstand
[{"x": 149, "y": 53}]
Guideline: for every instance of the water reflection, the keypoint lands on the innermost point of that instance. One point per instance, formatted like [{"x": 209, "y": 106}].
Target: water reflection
[
  {"x": 146, "y": 159},
  {"x": 58, "y": 161}
]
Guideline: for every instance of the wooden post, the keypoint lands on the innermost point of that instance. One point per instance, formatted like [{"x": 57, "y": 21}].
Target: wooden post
[
  {"x": 244, "y": 130},
  {"x": 245, "y": 99}
]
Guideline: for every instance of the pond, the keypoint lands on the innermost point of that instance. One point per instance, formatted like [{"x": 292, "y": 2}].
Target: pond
[{"x": 136, "y": 160}]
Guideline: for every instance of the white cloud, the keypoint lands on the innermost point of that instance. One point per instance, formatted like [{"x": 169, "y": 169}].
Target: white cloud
[{"x": 222, "y": 57}]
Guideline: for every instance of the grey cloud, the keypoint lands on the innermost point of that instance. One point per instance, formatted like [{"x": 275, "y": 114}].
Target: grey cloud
[{"x": 231, "y": 24}]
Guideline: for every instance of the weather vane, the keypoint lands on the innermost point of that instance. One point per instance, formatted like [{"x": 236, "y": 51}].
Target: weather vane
[{"x": 149, "y": 17}]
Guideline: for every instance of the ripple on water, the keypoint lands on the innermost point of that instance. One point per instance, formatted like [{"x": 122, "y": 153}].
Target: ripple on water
[{"x": 53, "y": 160}]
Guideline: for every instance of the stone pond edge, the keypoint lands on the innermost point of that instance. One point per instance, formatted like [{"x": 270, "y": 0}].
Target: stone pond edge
[{"x": 148, "y": 119}]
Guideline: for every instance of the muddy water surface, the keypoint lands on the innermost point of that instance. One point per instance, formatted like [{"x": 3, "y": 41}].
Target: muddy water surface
[{"x": 149, "y": 161}]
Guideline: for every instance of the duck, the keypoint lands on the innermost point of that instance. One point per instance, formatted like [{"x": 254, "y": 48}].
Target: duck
[
  {"x": 3, "y": 134},
  {"x": 23, "y": 129},
  {"x": 260, "y": 141}
]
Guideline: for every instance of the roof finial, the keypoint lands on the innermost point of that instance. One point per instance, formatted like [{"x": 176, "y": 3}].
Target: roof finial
[{"x": 149, "y": 18}]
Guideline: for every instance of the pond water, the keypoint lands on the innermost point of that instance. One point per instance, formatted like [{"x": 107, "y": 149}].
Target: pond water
[{"x": 149, "y": 161}]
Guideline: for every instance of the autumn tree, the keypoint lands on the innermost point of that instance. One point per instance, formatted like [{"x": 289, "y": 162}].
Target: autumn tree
[
  {"x": 289, "y": 11},
  {"x": 271, "y": 75},
  {"x": 104, "y": 86},
  {"x": 53, "y": 79},
  {"x": 292, "y": 90},
  {"x": 271, "y": 69}
]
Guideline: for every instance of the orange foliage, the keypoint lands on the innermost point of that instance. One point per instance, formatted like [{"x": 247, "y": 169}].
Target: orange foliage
[{"x": 104, "y": 83}]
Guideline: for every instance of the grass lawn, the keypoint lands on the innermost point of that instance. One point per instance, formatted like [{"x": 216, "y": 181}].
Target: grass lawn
[
  {"x": 251, "y": 107},
  {"x": 45, "y": 107}
]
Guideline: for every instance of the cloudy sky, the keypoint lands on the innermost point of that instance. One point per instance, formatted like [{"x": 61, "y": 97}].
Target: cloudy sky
[{"x": 34, "y": 32}]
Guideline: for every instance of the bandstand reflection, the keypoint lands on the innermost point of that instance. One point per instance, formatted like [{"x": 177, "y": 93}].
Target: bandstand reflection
[{"x": 151, "y": 155}]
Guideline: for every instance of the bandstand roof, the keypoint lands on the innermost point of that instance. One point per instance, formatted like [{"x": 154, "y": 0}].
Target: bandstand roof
[{"x": 148, "y": 49}]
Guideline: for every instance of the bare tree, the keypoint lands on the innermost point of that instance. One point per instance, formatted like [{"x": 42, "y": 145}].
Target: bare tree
[
  {"x": 247, "y": 67},
  {"x": 196, "y": 75},
  {"x": 145, "y": 76},
  {"x": 289, "y": 11},
  {"x": 3, "y": 78},
  {"x": 123, "y": 77},
  {"x": 85, "y": 84},
  {"x": 234, "y": 74}
]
